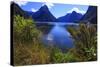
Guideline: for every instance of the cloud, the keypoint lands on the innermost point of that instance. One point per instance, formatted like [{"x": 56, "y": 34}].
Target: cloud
[
  {"x": 49, "y": 4},
  {"x": 33, "y": 10},
  {"x": 20, "y": 3},
  {"x": 77, "y": 10}
]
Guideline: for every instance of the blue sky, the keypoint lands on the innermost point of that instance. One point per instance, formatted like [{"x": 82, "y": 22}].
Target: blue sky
[{"x": 56, "y": 9}]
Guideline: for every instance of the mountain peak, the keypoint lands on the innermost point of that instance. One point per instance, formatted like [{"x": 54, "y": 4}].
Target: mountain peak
[
  {"x": 44, "y": 6},
  {"x": 74, "y": 12},
  {"x": 70, "y": 17},
  {"x": 43, "y": 14}
]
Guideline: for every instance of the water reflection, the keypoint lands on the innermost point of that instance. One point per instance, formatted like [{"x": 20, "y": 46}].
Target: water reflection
[{"x": 58, "y": 36}]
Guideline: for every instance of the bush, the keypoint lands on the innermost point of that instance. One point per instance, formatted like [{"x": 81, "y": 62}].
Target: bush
[
  {"x": 85, "y": 39},
  {"x": 27, "y": 46},
  {"x": 57, "y": 56},
  {"x": 24, "y": 30}
]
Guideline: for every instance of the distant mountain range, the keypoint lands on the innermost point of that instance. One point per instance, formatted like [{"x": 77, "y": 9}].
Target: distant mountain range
[
  {"x": 70, "y": 17},
  {"x": 44, "y": 15}
]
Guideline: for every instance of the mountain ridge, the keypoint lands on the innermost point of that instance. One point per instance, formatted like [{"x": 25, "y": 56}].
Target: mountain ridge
[
  {"x": 90, "y": 15},
  {"x": 43, "y": 14},
  {"x": 16, "y": 10},
  {"x": 70, "y": 17}
]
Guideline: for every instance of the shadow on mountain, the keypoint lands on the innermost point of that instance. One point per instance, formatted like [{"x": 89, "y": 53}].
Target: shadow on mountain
[
  {"x": 16, "y": 10},
  {"x": 43, "y": 15},
  {"x": 70, "y": 17},
  {"x": 91, "y": 15}
]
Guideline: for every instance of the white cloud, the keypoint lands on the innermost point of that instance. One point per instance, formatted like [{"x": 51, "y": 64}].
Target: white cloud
[
  {"x": 49, "y": 4},
  {"x": 33, "y": 10},
  {"x": 77, "y": 10},
  {"x": 20, "y": 3}
]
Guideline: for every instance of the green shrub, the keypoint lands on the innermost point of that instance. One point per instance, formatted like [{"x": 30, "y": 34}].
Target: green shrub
[
  {"x": 85, "y": 39},
  {"x": 24, "y": 30},
  {"x": 70, "y": 57},
  {"x": 56, "y": 55},
  {"x": 27, "y": 46}
]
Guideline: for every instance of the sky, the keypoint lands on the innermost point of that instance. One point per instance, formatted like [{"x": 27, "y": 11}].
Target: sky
[{"x": 56, "y": 9}]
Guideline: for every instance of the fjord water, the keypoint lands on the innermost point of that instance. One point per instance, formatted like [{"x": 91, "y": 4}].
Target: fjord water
[{"x": 59, "y": 36}]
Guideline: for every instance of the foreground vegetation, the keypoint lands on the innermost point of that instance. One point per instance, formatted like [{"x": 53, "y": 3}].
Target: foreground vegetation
[
  {"x": 28, "y": 48},
  {"x": 85, "y": 39}
]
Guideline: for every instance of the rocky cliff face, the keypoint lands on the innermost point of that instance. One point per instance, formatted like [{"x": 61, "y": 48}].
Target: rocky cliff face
[{"x": 91, "y": 15}]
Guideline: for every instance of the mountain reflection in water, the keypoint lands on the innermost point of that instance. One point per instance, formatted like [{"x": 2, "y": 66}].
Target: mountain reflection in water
[{"x": 58, "y": 36}]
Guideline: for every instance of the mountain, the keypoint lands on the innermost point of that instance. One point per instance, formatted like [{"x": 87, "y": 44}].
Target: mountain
[
  {"x": 43, "y": 14},
  {"x": 29, "y": 13},
  {"x": 90, "y": 15},
  {"x": 16, "y": 10},
  {"x": 70, "y": 17}
]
